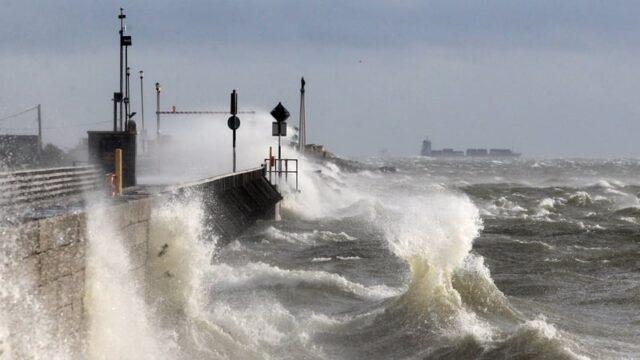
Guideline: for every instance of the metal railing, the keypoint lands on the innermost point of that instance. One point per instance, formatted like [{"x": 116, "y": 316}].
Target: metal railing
[
  {"x": 276, "y": 171},
  {"x": 34, "y": 185}
]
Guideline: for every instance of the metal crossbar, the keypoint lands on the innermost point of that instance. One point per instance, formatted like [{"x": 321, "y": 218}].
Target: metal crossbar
[{"x": 200, "y": 112}]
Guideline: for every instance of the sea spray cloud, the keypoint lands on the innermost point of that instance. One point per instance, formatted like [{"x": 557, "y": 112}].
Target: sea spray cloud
[
  {"x": 439, "y": 228},
  {"x": 325, "y": 192},
  {"x": 201, "y": 146},
  {"x": 120, "y": 325}
]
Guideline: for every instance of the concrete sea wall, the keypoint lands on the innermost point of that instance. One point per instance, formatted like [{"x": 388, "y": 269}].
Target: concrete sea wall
[
  {"x": 49, "y": 255},
  {"x": 231, "y": 203}
]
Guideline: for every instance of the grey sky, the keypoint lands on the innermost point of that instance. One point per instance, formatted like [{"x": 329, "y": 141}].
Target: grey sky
[{"x": 548, "y": 78}]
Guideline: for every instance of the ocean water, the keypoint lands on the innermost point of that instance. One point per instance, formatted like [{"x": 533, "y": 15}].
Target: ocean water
[{"x": 443, "y": 259}]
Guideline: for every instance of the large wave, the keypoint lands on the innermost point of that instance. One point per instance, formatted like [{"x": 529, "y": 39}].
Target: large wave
[
  {"x": 246, "y": 301},
  {"x": 451, "y": 306}
]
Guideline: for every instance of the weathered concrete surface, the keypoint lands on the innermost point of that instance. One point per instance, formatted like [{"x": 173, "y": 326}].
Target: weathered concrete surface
[
  {"x": 233, "y": 203},
  {"x": 47, "y": 264},
  {"x": 50, "y": 253}
]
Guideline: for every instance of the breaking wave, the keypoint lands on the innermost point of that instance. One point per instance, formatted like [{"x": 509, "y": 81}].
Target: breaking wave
[
  {"x": 451, "y": 306},
  {"x": 358, "y": 268},
  {"x": 255, "y": 276}
]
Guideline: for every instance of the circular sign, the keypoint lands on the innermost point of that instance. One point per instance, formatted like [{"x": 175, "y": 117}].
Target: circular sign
[{"x": 233, "y": 123}]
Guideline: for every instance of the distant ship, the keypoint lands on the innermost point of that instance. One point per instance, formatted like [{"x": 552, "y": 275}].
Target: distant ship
[{"x": 471, "y": 153}]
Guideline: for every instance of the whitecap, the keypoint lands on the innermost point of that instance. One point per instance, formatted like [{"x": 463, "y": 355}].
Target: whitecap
[
  {"x": 348, "y": 257},
  {"x": 261, "y": 275}
]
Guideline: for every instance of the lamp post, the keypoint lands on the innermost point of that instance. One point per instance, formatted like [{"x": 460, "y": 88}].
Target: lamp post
[
  {"x": 127, "y": 106},
  {"x": 144, "y": 133},
  {"x": 122, "y": 16},
  {"x": 125, "y": 42},
  {"x": 158, "y": 89},
  {"x": 39, "y": 132}
]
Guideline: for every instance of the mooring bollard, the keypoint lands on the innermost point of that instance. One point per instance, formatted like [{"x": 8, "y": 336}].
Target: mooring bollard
[{"x": 118, "y": 171}]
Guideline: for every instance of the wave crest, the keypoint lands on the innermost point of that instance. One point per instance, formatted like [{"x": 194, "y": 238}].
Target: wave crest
[
  {"x": 439, "y": 228},
  {"x": 260, "y": 275}
]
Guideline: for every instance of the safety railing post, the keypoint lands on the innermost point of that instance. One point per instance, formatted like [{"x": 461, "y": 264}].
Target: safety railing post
[{"x": 277, "y": 166}]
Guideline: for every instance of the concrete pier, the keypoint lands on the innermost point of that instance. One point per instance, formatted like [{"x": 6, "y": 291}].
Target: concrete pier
[{"x": 50, "y": 252}]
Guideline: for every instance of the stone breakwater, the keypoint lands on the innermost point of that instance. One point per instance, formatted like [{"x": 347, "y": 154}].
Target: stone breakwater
[{"x": 44, "y": 260}]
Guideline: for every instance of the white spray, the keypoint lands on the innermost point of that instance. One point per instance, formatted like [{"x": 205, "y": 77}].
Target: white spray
[{"x": 119, "y": 322}]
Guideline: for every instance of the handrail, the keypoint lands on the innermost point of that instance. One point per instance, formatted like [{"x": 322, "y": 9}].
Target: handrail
[{"x": 274, "y": 165}]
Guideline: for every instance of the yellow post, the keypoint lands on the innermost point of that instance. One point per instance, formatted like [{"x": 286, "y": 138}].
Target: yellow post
[{"x": 118, "y": 171}]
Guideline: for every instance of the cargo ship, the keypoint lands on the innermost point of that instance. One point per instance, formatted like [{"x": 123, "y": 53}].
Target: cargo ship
[{"x": 470, "y": 153}]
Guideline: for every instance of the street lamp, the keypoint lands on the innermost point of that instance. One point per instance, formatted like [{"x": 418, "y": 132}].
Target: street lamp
[
  {"x": 127, "y": 97},
  {"x": 142, "y": 110},
  {"x": 158, "y": 89},
  {"x": 122, "y": 16},
  {"x": 125, "y": 42}
]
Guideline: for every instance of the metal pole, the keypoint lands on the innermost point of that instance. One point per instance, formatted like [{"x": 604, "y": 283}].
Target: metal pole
[
  {"x": 122, "y": 16},
  {"x": 142, "y": 109},
  {"x": 115, "y": 114},
  {"x": 158, "y": 88},
  {"x": 39, "y": 132},
  {"x": 234, "y": 110},
  {"x": 279, "y": 154},
  {"x": 127, "y": 110},
  {"x": 234, "y": 151}
]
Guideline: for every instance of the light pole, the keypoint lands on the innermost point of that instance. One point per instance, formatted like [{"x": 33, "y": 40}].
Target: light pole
[
  {"x": 127, "y": 109},
  {"x": 125, "y": 42},
  {"x": 39, "y": 132},
  {"x": 142, "y": 110},
  {"x": 122, "y": 16},
  {"x": 158, "y": 89}
]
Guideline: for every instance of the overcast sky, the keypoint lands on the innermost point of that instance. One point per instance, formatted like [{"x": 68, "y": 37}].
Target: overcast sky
[{"x": 547, "y": 78}]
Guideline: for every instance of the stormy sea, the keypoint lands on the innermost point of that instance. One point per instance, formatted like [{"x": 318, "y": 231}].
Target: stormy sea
[{"x": 441, "y": 259}]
